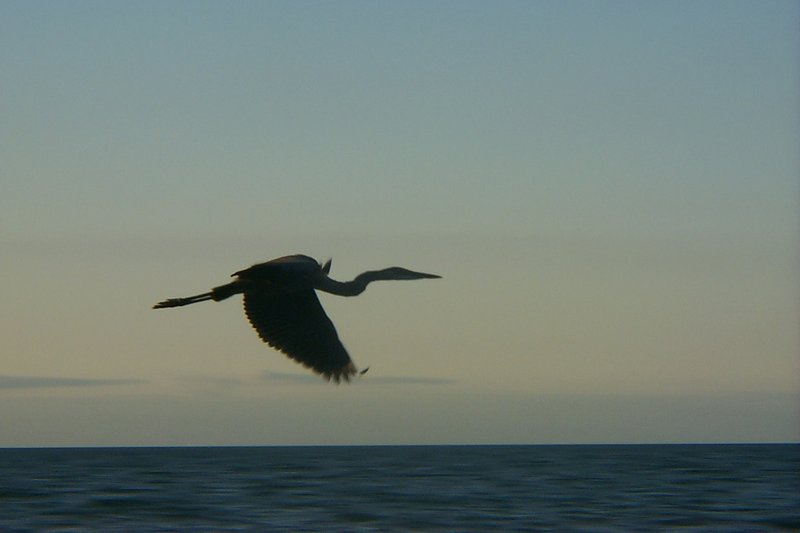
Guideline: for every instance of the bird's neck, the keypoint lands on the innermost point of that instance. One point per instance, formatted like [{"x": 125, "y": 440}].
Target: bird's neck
[{"x": 347, "y": 288}]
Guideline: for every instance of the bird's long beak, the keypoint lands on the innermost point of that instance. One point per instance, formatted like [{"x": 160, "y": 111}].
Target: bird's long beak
[{"x": 410, "y": 274}]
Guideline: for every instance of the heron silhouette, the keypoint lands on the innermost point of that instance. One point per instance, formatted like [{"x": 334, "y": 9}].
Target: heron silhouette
[{"x": 280, "y": 303}]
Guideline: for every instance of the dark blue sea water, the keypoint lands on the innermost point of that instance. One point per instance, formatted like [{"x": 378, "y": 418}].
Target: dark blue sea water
[{"x": 402, "y": 488}]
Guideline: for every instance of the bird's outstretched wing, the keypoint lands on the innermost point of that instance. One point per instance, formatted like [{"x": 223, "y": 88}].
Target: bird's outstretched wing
[{"x": 296, "y": 324}]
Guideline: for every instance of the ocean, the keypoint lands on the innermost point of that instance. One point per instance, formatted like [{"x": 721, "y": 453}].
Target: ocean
[{"x": 732, "y": 487}]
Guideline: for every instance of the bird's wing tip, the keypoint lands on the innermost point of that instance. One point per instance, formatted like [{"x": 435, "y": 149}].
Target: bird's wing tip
[{"x": 343, "y": 374}]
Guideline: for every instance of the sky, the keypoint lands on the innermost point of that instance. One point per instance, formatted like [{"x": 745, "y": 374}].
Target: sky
[{"x": 609, "y": 190}]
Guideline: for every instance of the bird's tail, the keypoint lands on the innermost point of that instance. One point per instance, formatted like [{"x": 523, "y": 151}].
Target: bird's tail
[{"x": 217, "y": 294}]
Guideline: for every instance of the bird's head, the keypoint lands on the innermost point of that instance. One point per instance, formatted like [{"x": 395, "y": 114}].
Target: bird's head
[{"x": 393, "y": 273}]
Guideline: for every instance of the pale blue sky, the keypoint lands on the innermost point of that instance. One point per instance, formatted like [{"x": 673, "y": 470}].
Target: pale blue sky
[{"x": 610, "y": 190}]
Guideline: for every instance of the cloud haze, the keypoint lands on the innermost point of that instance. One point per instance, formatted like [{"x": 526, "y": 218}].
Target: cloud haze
[{"x": 48, "y": 382}]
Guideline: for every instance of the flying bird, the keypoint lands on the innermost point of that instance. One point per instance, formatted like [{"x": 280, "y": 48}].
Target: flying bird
[{"x": 281, "y": 305}]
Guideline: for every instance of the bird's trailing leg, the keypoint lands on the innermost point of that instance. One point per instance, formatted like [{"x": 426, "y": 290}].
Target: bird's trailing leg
[
  {"x": 217, "y": 294},
  {"x": 178, "y": 302}
]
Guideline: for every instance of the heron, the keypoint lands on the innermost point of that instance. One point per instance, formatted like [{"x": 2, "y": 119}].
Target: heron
[{"x": 282, "y": 306}]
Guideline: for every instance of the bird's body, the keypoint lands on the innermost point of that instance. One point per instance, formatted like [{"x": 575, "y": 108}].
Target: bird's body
[{"x": 281, "y": 304}]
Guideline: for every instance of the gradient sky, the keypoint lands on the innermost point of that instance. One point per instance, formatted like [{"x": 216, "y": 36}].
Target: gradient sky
[{"x": 609, "y": 189}]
